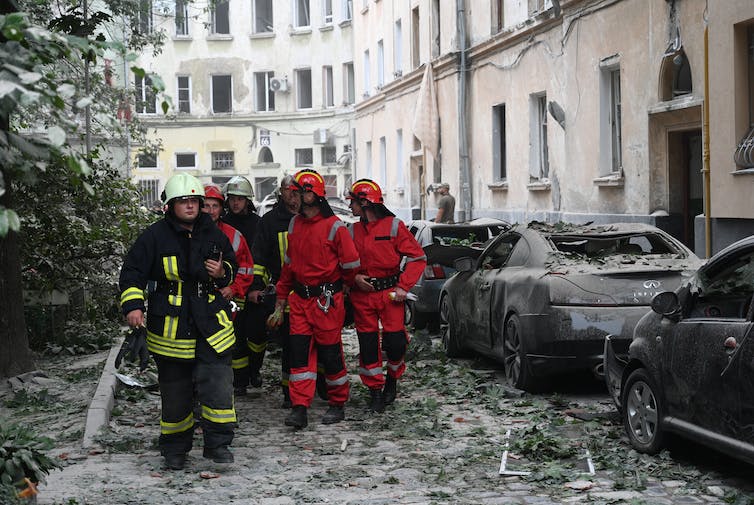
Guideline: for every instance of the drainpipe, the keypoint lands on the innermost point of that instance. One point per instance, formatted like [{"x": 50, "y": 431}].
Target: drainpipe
[
  {"x": 705, "y": 149},
  {"x": 463, "y": 147}
]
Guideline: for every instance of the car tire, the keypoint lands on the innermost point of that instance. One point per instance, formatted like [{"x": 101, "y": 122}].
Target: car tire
[
  {"x": 450, "y": 341},
  {"x": 517, "y": 369},
  {"x": 642, "y": 412}
]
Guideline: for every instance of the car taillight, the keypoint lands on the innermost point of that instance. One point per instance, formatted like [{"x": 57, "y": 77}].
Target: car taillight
[{"x": 434, "y": 272}]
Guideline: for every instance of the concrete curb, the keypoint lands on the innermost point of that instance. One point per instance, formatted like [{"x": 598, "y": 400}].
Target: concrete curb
[{"x": 103, "y": 401}]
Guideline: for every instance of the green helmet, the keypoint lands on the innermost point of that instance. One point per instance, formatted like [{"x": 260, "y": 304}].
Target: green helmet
[
  {"x": 182, "y": 185},
  {"x": 238, "y": 185}
]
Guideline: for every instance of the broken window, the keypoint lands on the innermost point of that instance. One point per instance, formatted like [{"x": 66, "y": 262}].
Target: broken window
[
  {"x": 304, "y": 88},
  {"x": 262, "y": 16},
  {"x": 304, "y": 157},
  {"x": 146, "y": 99},
  {"x": 264, "y": 97},
  {"x": 349, "y": 84},
  {"x": 221, "y": 93},
  {"x": 181, "y": 18},
  {"x": 744, "y": 154},
  {"x": 640, "y": 244},
  {"x": 499, "y": 154},
  {"x": 329, "y": 155},
  {"x": 328, "y": 96},
  {"x": 539, "y": 163},
  {"x": 149, "y": 192},
  {"x": 184, "y": 94},
  {"x": 220, "y": 12},
  {"x": 185, "y": 160},
  {"x": 301, "y": 13},
  {"x": 223, "y": 160}
]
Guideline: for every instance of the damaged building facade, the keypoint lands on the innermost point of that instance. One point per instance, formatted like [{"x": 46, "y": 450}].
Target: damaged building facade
[
  {"x": 258, "y": 88},
  {"x": 573, "y": 110}
]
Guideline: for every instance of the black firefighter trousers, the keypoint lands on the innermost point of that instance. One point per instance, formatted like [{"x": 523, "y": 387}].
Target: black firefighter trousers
[{"x": 212, "y": 376}]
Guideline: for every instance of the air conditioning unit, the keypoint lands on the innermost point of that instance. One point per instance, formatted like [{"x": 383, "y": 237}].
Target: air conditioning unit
[
  {"x": 320, "y": 136},
  {"x": 279, "y": 84}
]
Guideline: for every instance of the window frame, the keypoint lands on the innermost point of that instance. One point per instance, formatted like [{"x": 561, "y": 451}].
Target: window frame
[
  {"x": 144, "y": 91},
  {"x": 213, "y": 17},
  {"x": 499, "y": 144},
  {"x": 297, "y": 4},
  {"x": 186, "y": 89},
  {"x": 328, "y": 87},
  {"x": 185, "y": 153},
  {"x": 539, "y": 163},
  {"x": 255, "y": 17},
  {"x": 269, "y": 94},
  {"x": 216, "y": 160},
  {"x": 230, "y": 93},
  {"x": 349, "y": 83},
  {"x": 182, "y": 7},
  {"x": 301, "y": 155},
  {"x": 299, "y": 83}
]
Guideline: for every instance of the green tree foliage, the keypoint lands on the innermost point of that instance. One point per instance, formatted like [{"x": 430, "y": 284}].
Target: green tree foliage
[{"x": 66, "y": 215}]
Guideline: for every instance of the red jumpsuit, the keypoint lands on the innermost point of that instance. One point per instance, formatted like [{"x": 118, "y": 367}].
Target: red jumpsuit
[
  {"x": 320, "y": 254},
  {"x": 381, "y": 245}
]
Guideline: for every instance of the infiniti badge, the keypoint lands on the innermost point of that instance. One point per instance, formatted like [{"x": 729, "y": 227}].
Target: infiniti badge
[{"x": 652, "y": 284}]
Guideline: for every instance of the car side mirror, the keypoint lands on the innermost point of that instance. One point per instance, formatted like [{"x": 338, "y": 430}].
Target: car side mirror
[
  {"x": 666, "y": 303},
  {"x": 464, "y": 264}
]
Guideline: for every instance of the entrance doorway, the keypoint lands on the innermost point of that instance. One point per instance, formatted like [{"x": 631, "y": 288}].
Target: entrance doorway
[{"x": 685, "y": 182}]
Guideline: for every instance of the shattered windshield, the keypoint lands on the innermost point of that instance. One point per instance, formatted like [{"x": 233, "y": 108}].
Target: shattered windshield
[{"x": 639, "y": 244}]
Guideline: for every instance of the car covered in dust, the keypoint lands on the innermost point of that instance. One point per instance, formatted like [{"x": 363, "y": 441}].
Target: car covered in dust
[
  {"x": 541, "y": 298},
  {"x": 690, "y": 366}
]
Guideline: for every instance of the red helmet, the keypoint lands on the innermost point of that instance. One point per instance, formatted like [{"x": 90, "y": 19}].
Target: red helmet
[
  {"x": 309, "y": 180},
  {"x": 367, "y": 189},
  {"x": 213, "y": 191}
]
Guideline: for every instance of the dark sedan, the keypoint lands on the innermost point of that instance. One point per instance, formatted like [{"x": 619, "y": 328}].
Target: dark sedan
[
  {"x": 690, "y": 367},
  {"x": 541, "y": 298}
]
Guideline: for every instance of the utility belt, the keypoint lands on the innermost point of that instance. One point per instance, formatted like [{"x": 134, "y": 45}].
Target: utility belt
[
  {"x": 305, "y": 291},
  {"x": 383, "y": 283},
  {"x": 173, "y": 287}
]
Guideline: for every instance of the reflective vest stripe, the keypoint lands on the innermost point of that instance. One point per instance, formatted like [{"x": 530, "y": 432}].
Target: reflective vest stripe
[
  {"x": 352, "y": 264},
  {"x": 295, "y": 377},
  {"x": 236, "y": 243},
  {"x": 170, "y": 267},
  {"x": 394, "y": 227},
  {"x": 337, "y": 382},
  {"x": 225, "y": 338},
  {"x": 131, "y": 294},
  {"x": 335, "y": 227},
  {"x": 282, "y": 245},
  {"x": 170, "y": 327},
  {"x": 260, "y": 271},
  {"x": 219, "y": 416},
  {"x": 167, "y": 428},
  {"x": 370, "y": 371},
  {"x": 257, "y": 348},
  {"x": 395, "y": 367},
  {"x": 241, "y": 302},
  {"x": 239, "y": 363},
  {"x": 174, "y": 348},
  {"x": 419, "y": 258}
]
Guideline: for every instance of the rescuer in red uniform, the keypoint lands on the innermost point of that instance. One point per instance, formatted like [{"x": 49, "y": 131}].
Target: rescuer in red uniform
[
  {"x": 320, "y": 259},
  {"x": 380, "y": 289}
]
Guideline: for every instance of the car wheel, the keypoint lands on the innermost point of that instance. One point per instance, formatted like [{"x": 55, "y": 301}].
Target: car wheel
[
  {"x": 408, "y": 313},
  {"x": 642, "y": 412},
  {"x": 517, "y": 369},
  {"x": 450, "y": 341}
]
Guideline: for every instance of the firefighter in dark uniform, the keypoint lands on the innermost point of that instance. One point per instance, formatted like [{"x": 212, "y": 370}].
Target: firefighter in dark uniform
[
  {"x": 320, "y": 260},
  {"x": 380, "y": 289},
  {"x": 242, "y": 216},
  {"x": 268, "y": 250},
  {"x": 188, "y": 325}
]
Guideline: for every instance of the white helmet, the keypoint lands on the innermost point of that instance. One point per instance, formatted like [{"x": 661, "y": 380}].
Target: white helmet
[{"x": 239, "y": 185}]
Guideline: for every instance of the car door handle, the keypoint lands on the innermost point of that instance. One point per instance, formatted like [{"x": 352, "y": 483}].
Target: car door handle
[
  {"x": 730, "y": 344},
  {"x": 485, "y": 286}
]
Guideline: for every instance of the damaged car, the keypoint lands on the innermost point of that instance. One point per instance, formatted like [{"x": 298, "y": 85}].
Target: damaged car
[
  {"x": 542, "y": 297},
  {"x": 690, "y": 366},
  {"x": 443, "y": 243}
]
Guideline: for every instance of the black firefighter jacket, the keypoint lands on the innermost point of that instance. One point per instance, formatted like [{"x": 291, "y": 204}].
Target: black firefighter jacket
[
  {"x": 270, "y": 243},
  {"x": 185, "y": 304}
]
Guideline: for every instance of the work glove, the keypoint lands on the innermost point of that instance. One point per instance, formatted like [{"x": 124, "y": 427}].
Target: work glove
[
  {"x": 276, "y": 318},
  {"x": 135, "y": 346}
]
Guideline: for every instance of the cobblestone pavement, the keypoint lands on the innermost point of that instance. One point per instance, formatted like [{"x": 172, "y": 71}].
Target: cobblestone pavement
[{"x": 442, "y": 442}]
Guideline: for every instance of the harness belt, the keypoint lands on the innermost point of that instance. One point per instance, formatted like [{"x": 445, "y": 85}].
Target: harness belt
[
  {"x": 383, "y": 283},
  {"x": 172, "y": 287},
  {"x": 305, "y": 291}
]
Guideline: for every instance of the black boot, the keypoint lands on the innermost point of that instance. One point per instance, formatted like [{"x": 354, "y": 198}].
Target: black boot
[
  {"x": 286, "y": 399},
  {"x": 334, "y": 414},
  {"x": 175, "y": 461},
  {"x": 389, "y": 392},
  {"x": 376, "y": 403},
  {"x": 297, "y": 418},
  {"x": 218, "y": 454},
  {"x": 256, "y": 379}
]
